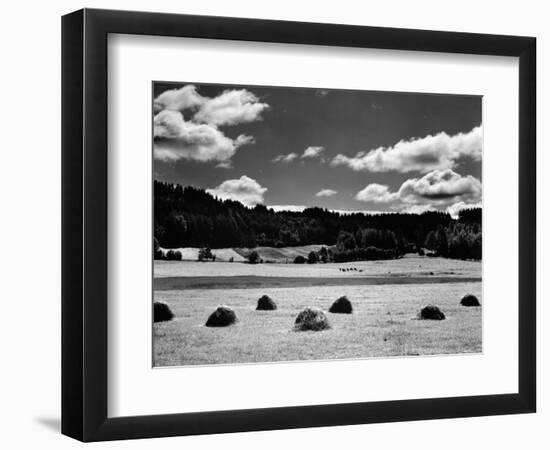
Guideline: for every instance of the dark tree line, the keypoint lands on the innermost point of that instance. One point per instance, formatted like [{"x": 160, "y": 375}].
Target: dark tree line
[{"x": 190, "y": 217}]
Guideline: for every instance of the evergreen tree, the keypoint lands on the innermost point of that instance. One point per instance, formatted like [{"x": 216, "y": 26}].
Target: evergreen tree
[
  {"x": 431, "y": 241},
  {"x": 254, "y": 257},
  {"x": 312, "y": 258}
]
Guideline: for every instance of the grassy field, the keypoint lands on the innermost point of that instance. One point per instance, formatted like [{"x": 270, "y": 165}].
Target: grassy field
[
  {"x": 268, "y": 254},
  {"x": 409, "y": 266},
  {"x": 383, "y": 323}
]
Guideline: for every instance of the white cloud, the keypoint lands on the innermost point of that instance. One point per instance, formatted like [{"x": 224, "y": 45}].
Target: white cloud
[
  {"x": 437, "y": 188},
  {"x": 326, "y": 193},
  {"x": 300, "y": 208},
  {"x": 177, "y": 139},
  {"x": 178, "y": 99},
  {"x": 417, "y": 209},
  {"x": 245, "y": 190},
  {"x": 293, "y": 208},
  {"x": 310, "y": 152},
  {"x": 225, "y": 165},
  {"x": 285, "y": 158},
  {"x": 378, "y": 193},
  {"x": 347, "y": 212},
  {"x": 439, "y": 151},
  {"x": 313, "y": 152},
  {"x": 455, "y": 208},
  {"x": 231, "y": 108},
  {"x": 186, "y": 124},
  {"x": 440, "y": 187}
]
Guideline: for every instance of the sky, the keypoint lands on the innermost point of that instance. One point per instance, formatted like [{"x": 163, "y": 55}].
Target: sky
[{"x": 344, "y": 150}]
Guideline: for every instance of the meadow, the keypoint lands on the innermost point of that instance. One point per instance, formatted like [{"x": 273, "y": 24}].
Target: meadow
[
  {"x": 408, "y": 266},
  {"x": 386, "y": 297}
]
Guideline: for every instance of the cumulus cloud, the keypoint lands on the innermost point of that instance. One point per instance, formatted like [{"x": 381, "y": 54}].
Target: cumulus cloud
[
  {"x": 178, "y": 99},
  {"x": 176, "y": 138},
  {"x": 186, "y": 124},
  {"x": 245, "y": 190},
  {"x": 440, "y": 151},
  {"x": 285, "y": 158},
  {"x": 312, "y": 152},
  {"x": 231, "y": 108},
  {"x": 377, "y": 193},
  {"x": 437, "y": 188},
  {"x": 326, "y": 193}
]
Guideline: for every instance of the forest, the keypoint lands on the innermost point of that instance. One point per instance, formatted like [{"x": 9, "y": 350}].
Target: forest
[{"x": 191, "y": 217}]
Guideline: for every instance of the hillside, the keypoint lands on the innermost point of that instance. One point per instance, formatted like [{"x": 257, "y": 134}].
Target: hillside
[
  {"x": 240, "y": 254},
  {"x": 187, "y": 217}
]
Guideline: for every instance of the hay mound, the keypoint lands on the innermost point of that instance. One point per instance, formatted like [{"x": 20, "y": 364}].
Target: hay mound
[
  {"x": 470, "y": 300},
  {"x": 311, "y": 319},
  {"x": 222, "y": 317},
  {"x": 431, "y": 312},
  {"x": 265, "y": 303},
  {"x": 341, "y": 306},
  {"x": 162, "y": 312}
]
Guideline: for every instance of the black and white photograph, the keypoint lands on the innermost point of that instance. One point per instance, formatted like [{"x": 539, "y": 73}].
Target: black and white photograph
[
  {"x": 275, "y": 225},
  {"x": 296, "y": 224}
]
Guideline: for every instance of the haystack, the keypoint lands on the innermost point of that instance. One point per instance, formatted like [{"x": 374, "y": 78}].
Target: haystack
[
  {"x": 312, "y": 319},
  {"x": 431, "y": 312},
  {"x": 266, "y": 303},
  {"x": 341, "y": 306},
  {"x": 470, "y": 300},
  {"x": 222, "y": 317},
  {"x": 162, "y": 312}
]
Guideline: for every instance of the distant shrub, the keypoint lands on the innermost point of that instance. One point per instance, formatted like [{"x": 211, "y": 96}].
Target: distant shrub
[
  {"x": 222, "y": 317},
  {"x": 254, "y": 257},
  {"x": 421, "y": 252},
  {"x": 205, "y": 254},
  {"x": 311, "y": 319},
  {"x": 470, "y": 300},
  {"x": 231, "y": 259},
  {"x": 265, "y": 303},
  {"x": 157, "y": 252},
  {"x": 341, "y": 306},
  {"x": 173, "y": 255},
  {"x": 162, "y": 312},
  {"x": 312, "y": 258},
  {"x": 299, "y": 260},
  {"x": 431, "y": 312}
]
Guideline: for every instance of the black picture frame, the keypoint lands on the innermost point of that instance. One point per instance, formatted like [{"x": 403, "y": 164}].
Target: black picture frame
[{"x": 84, "y": 224}]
